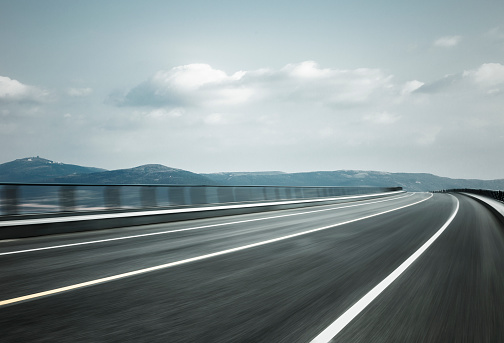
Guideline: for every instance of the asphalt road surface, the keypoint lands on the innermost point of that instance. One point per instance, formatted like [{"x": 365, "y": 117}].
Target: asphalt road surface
[{"x": 428, "y": 268}]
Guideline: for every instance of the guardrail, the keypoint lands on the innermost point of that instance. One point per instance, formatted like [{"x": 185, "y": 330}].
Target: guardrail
[
  {"x": 497, "y": 195},
  {"x": 37, "y": 198}
]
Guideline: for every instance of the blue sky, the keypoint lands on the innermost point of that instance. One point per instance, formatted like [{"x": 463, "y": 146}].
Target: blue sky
[{"x": 395, "y": 86}]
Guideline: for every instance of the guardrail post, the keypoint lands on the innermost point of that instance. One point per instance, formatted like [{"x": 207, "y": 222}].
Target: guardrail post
[
  {"x": 67, "y": 198},
  {"x": 112, "y": 198},
  {"x": 277, "y": 193},
  {"x": 225, "y": 194},
  {"x": 176, "y": 195},
  {"x": 198, "y": 195},
  {"x": 299, "y": 193},
  {"x": 148, "y": 196},
  {"x": 265, "y": 193},
  {"x": 288, "y": 193},
  {"x": 10, "y": 201},
  {"x": 241, "y": 194}
]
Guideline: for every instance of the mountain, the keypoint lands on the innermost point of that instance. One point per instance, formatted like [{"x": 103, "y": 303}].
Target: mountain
[
  {"x": 273, "y": 178},
  {"x": 36, "y": 169},
  {"x": 416, "y": 182},
  {"x": 146, "y": 174}
]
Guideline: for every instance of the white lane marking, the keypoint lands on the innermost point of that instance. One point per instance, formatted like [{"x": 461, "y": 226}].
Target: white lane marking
[
  {"x": 179, "y": 210},
  {"x": 193, "y": 228},
  {"x": 192, "y": 259},
  {"x": 332, "y": 330}
]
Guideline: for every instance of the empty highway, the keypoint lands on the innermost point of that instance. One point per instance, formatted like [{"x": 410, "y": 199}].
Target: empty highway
[{"x": 414, "y": 267}]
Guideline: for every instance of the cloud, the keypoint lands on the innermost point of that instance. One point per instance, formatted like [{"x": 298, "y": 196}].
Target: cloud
[
  {"x": 448, "y": 41},
  {"x": 488, "y": 74},
  {"x": 447, "y": 82},
  {"x": 164, "y": 113},
  {"x": 14, "y": 91},
  {"x": 79, "y": 92},
  {"x": 200, "y": 85},
  {"x": 188, "y": 85},
  {"x": 190, "y": 77},
  {"x": 333, "y": 87},
  {"x": 487, "y": 77},
  {"x": 411, "y": 86}
]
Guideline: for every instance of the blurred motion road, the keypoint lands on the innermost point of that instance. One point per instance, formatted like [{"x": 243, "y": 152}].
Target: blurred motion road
[{"x": 281, "y": 276}]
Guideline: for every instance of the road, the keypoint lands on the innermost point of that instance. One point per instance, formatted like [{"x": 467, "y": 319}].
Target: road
[{"x": 283, "y": 276}]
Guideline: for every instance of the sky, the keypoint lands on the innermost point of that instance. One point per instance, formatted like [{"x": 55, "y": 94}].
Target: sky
[{"x": 215, "y": 86}]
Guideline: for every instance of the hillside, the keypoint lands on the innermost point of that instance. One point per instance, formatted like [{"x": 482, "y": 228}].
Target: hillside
[
  {"x": 417, "y": 182},
  {"x": 146, "y": 174},
  {"x": 36, "y": 169}
]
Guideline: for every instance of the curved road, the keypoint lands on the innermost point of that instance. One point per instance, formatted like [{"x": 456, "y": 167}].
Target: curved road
[{"x": 285, "y": 276}]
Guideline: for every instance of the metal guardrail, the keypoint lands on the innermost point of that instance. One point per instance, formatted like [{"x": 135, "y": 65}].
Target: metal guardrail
[
  {"x": 497, "y": 195},
  {"x": 24, "y": 198}
]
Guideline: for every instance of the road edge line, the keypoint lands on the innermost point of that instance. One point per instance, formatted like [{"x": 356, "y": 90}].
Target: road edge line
[{"x": 339, "y": 324}]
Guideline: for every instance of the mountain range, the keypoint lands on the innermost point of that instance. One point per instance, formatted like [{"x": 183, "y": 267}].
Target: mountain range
[
  {"x": 40, "y": 170},
  {"x": 36, "y": 169}
]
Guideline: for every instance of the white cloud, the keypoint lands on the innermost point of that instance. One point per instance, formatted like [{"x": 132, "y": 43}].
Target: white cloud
[
  {"x": 448, "y": 41},
  {"x": 189, "y": 85},
  {"x": 189, "y": 77},
  {"x": 200, "y": 85},
  {"x": 411, "y": 86},
  {"x": 14, "y": 91},
  {"x": 306, "y": 70},
  {"x": 333, "y": 87},
  {"x": 488, "y": 77},
  {"x": 11, "y": 88},
  {"x": 165, "y": 112},
  {"x": 79, "y": 92},
  {"x": 488, "y": 74},
  {"x": 446, "y": 83}
]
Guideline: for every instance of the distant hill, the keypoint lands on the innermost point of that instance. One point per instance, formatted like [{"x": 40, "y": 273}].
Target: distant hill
[
  {"x": 146, "y": 174},
  {"x": 416, "y": 182},
  {"x": 36, "y": 169}
]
